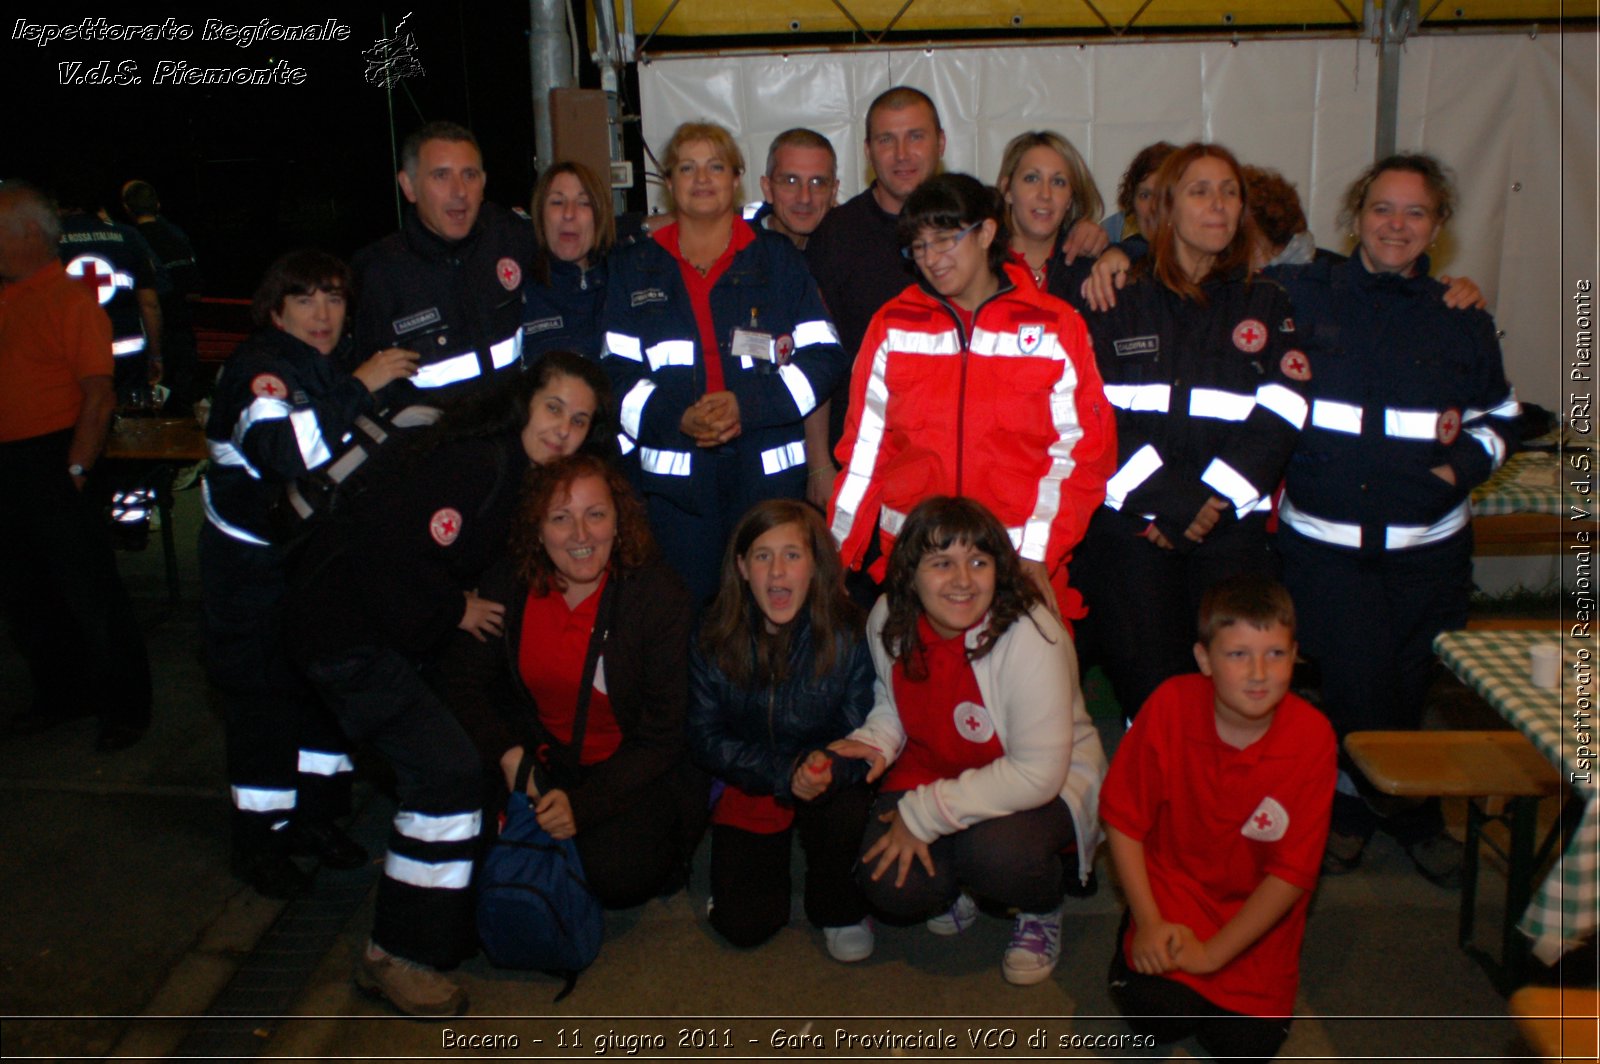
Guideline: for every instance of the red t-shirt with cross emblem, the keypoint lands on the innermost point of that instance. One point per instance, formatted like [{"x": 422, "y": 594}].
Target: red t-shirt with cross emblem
[
  {"x": 1215, "y": 821},
  {"x": 948, "y": 729}
]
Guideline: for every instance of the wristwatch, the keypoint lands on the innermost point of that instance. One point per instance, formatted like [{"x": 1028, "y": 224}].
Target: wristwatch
[{"x": 77, "y": 470}]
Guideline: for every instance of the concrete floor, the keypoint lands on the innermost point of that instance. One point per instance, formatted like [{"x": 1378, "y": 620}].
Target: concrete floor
[{"x": 124, "y": 929}]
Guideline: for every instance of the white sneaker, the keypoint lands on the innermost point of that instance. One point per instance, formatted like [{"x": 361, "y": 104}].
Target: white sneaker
[
  {"x": 1035, "y": 948},
  {"x": 850, "y": 943},
  {"x": 960, "y": 916},
  {"x": 413, "y": 988}
]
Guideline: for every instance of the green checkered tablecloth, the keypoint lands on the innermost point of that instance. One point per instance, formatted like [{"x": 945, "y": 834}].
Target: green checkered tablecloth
[
  {"x": 1528, "y": 483},
  {"x": 1566, "y": 907}
]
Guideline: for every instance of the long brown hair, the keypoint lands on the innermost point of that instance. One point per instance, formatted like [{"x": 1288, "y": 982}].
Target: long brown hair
[
  {"x": 934, "y": 525},
  {"x": 549, "y": 484},
  {"x": 733, "y": 637},
  {"x": 1163, "y": 256}
]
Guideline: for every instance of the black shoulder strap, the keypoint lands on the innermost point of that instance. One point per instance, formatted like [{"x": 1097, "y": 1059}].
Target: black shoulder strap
[{"x": 569, "y": 752}]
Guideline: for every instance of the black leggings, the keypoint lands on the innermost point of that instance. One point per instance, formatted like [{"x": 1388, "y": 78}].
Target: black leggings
[
  {"x": 750, "y": 872},
  {"x": 1170, "y": 1011}
]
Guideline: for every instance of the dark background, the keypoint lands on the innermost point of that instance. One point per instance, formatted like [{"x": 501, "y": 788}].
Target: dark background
[{"x": 251, "y": 171}]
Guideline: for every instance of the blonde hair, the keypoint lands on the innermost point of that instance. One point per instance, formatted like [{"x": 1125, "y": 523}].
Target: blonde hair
[
  {"x": 721, "y": 141},
  {"x": 1086, "y": 201}
]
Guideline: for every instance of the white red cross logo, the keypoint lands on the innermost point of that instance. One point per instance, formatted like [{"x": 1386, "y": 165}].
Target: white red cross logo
[
  {"x": 1296, "y": 366},
  {"x": 1449, "y": 426},
  {"x": 509, "y": 272},
  {"x": 973, "y": 722},
  {"x": 1268, "y": 823},
  {"x": 1250, "y": 336},
  {"x": 268, "y": 385},
  {"x": 445, "y": 526},
  {"x": 99, "y": 276}
]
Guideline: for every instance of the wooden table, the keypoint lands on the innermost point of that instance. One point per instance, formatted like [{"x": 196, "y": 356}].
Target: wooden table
[
  {"x": 158, "y": 447},
  {"x": 1565, "y": 910}
]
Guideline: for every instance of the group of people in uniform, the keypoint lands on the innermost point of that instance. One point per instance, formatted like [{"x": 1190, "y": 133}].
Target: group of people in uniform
[{"x": 676, "y": 461}]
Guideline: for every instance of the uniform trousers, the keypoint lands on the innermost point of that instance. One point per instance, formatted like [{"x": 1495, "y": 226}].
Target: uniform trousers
[
  {"x": 750, "y": 871},
  {"x": 1012, "y": 860},
  {"x": 286, "y": 754},
  {"x": 644, "y": 850},
  {"x": 424, "y": 910},
  {"x": 64, "y": 601},
  {"x": 1169, "y": 1011},
  {"x": 1368, "y": 623},
  {"x": 1143, "y": 600}
]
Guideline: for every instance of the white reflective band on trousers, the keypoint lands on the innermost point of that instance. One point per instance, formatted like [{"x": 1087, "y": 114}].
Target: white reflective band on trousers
[
  {"x": 130, "y": 346},
  {"x": 445, "y": 875},
  {"x": 464, "y": 367},
  {"x": 1395, "y": 537},
  {"x": 323, "y": 763},
  {"x": 450, "y": 827},
  {"x": 262, "y": 799}
]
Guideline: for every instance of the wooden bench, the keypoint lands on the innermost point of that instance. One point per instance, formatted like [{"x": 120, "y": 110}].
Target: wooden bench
[
  {"x": 1559, "y": 1023},
  {"x": 1473, "y": 765}
]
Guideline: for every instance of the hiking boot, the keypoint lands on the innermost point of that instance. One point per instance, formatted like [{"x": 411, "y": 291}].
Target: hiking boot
[
  {"x": 272, "y": 874},
  {"x": 1343, "y": 853},
  {"x": 1035, "y": 948},
  {"x": 323, "y": 840},
  {"x": 956, "y": 919},
  {"x": 850, "y": 943},
  {"x": 415, "y": 989},
  {"x": 1438, "y": 858}
]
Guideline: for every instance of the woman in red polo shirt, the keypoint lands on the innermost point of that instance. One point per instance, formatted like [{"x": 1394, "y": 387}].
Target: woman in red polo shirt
[
  {"x": 990, "y": 764},
  {"x": 584, "y": 575}
]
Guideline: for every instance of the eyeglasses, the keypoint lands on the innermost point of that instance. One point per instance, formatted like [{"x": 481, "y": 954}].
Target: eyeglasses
[
  {"x": 816, "y": 183},
  {"x": 922, "y": 250}
]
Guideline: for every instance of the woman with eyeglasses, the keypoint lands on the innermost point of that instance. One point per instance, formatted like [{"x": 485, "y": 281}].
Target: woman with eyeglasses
[{"x": 973, "y": 382}]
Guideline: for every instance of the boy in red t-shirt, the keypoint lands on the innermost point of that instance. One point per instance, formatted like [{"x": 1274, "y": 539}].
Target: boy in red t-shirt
[{"x": 1216, "y": 806}]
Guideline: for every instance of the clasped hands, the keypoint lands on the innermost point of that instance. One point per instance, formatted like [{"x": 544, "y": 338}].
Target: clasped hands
[{"x": 712, "y": 420}]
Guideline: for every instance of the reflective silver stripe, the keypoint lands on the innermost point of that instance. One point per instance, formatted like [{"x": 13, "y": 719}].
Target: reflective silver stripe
[
  {"x": 231, "y": 531},
  {"x": 891, "y": 520},
  {"x": 1336, "y": 417},
  {"x": 1399, "y": 537},
  {"x": 1395, "y": 537},
  {"x": 1145, "y": 398},
  {"x": 1140, "y": 467},
  {"x": 780, "y": 458},
  {"x": 1285, "y": 402},
  {"x": 1009, "y": 344},
  {"x": 793, "y": 379},
  {"x": 262, "y": 408},
  {"x": 815, "y": 332},
  {"x": 1232, "y": 485},
  {"x": 507, "y": 351},
  {"x": 1490, "y": 441},
  {"x": 921, "y": 343},
  {"x": 1338, "y": 533},
  {"x": 1508, "y": 407},
  {"x": 624, "y": 443},
  {"x": 665, "y": 463},
  {"x": 446, "y": 875},
  {"x": 226, "y": 454},
  {"x": 670, "y": 353},
  {"x": 322, "y": 763},
  {"x": 451, "y": 827},
  {"x": 1216, "y": 403},
  {"x": 1033, "y": 538},
  {"x": 308, "y": 436},
  {"x": 623, "y": 345},
  {"x": 632, "y": 415},
  {"x": 131, "y": 346},
  {"x": 869, "y": 438},
  {"x": 262, "y": 799},
  {"x": 1411, "y": 424},
  {"x": 452, "y": 370}
]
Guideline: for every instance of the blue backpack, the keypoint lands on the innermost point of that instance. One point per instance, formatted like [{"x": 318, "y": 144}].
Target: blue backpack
[{"x": 534, "y": 906}]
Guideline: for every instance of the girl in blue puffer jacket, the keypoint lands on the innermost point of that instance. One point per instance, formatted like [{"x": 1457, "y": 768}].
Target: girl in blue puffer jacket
[{"x": 781, "y": 670}]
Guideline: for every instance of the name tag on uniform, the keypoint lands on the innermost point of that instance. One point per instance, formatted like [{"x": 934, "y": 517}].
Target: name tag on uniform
[
  {"x": 750, "y": 343},
  {"x": 533, "y": 328},
  {"x": 1137, "y": 345},
  {"x": 413, "y": 322}
]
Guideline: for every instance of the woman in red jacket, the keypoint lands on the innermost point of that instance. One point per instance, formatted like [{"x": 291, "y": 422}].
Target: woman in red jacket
[{"x": 974, "y": 383}]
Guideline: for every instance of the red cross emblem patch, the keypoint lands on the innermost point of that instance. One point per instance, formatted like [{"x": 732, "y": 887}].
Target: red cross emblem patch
[
  {"x": 1250, "y": 336},
  {"x": 1296, "y": 366},
  {"x": 973, "y": 723},
  {"x": 269, "y": 386},
  {"x": 1029, "y": 337},
  {"x": 1268, "y": 823},
  {"x": 509, "y": 272},
  {"x": 444, "y": 526},
  {"x": 783, "y": 348},
  {"x": 1449, "y": 426}
]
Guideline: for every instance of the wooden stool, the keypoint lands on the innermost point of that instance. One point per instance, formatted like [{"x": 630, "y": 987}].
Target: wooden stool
[
  {"x": 1473, "y": 765},
  {"x": 1559, "y": 1024}
]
